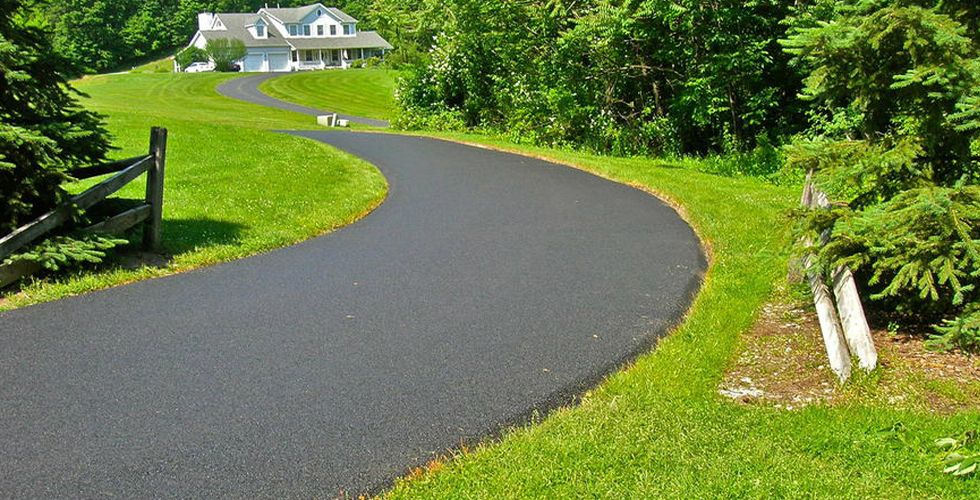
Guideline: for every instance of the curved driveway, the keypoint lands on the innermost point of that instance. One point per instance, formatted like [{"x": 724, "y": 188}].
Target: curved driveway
[
  {"x": 247, "y": 89},
  {"x": 488, "y": 286}
]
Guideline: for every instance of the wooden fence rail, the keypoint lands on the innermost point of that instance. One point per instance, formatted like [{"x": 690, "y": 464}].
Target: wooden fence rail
[
  {"x": 149, "y": 213},
  {"x": 842, "y": 321}
]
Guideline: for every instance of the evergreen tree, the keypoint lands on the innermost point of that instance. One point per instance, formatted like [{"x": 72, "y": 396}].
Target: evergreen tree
[
  {"x": 894, "y": 140},
  {"x": 43, "y": 131}
]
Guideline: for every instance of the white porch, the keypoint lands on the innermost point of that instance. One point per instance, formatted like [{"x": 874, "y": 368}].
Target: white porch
[{"x": 314, "y": 59}]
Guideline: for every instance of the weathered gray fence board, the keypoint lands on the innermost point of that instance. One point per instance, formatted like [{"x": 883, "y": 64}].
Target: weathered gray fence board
[
  {"x": 105, "y": 168},
  {"x": 843, "y": 323},
  {"x": 833, "y": 337},
  {"x": 852, "y": 318},
  {"x": 17, "y": 270},
  {"x": 30, "y": 232},
  {"x": 121, "y": 222},
  {"x": 105, "y": 188}
]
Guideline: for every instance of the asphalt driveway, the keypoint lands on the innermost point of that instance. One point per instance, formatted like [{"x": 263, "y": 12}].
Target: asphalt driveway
[
  {"x": 487, "y": 286},
  {"x": 247, "y": 89}
]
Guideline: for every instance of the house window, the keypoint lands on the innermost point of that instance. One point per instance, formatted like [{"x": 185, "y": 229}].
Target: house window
[
  {"x": 309, "y": 56},
  {"x": 259, "y": 30},
  {"x": 333, "y": 30},
  {"x": 293, "y": 30},
  {"x": 306, "y": 30},
  {"x": 348, "y": 29},
  {"x": 319, "y": 30}
]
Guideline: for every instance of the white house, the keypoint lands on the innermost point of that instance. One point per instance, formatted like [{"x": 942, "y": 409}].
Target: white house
[{"x": 298, "y": 38}]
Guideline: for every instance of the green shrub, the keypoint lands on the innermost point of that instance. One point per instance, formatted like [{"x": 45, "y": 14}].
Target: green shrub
[
  {"x": 959, "y": 456},
  {"x": 190, "y": 55},
  {"x": 65, "y": 252},
  {"x": 370, "y": 62},
  {"x": 443, "y": 121},
  {"x": 225, "y": 52},
  {"x": 961, "y": 333}
]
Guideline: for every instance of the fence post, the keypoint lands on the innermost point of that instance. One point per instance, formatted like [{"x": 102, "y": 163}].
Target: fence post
[
  {"x": 852, "y": 318},
  {"x": 154, "y": 189},
  {"x": 830, "y": 324}
]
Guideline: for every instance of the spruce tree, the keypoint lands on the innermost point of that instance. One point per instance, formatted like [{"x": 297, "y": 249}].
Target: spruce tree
[{"x": 43, "y": 130}]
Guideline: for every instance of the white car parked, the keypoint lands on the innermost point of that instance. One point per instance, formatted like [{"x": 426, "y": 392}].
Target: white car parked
[{"x": 199, "y": 67}]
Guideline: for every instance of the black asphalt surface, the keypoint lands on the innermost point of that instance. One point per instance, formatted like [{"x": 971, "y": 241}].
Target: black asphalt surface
[
  {"x": 247, "y": 89},
  {"x": 486, "y": 287}
]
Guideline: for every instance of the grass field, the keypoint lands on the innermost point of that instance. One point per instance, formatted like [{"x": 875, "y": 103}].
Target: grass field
[
  {"x": 233, "y": 187},
  {"x": 163, "y": 65},
  {"x": 659, "y": 428},
  {"x": 360, "y": 92}
]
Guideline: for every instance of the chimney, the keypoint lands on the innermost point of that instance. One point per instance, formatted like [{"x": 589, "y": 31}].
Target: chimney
[{"x": 205, "y": 20}]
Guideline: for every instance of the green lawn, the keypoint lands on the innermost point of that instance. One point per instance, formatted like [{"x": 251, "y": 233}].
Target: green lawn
[
  {"x": 360, "y": 92},
  {"x": 163, "y": 65},
  {"x": 233, "y": 187},
  {"x": 659, "y": 429}
]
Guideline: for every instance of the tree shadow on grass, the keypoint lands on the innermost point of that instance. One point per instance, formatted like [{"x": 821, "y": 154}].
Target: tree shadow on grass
[
  {"x": 179, "y": 236},
  {"x": 183, "y": 235}
]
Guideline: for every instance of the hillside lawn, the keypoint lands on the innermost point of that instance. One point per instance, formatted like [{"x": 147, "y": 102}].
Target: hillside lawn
[
  {"x": 365, "y": 92},
  {"x": 233, "y": 187},
  {"x": 162, "y": 65}
]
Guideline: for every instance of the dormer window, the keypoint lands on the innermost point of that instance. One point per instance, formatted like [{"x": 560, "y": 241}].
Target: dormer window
[
  {"x": 259, "y": 31},
  {"x": 306, "y": 30},
  {"x": 293, "y": 30},
  {"x": 348, "y": 29}
]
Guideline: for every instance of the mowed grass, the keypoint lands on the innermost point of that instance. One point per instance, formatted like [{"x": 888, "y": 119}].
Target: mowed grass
[
  {"x": 659, "y": 429},
  {"x": 361, "y": 92},
  {"x": 163, "y": 65},
  {"x": 233, "y": 187}
]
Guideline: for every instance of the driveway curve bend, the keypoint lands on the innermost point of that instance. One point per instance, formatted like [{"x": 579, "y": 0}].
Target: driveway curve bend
[
  {"x": 488, "y": 286},
  {"x": 247, "y": 89}
]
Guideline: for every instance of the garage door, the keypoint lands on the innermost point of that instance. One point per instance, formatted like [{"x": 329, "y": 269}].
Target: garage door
[
  {"x": 278, "y": 62},
  {"x": 253, "y": 62}
]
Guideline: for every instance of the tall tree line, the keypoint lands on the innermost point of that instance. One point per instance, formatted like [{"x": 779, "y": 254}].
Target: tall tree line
[{"x": 661, "y": 76}]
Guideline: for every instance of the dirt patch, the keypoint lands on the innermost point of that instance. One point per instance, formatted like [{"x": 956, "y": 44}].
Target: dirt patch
[
  {"x": 782, "y": 362},
  {"x": 136, "y": 259}
]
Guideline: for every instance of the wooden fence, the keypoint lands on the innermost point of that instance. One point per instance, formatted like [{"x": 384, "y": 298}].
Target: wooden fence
[
  {"x": 842, "y": 321},
  {"x": 149, "y": 212}
]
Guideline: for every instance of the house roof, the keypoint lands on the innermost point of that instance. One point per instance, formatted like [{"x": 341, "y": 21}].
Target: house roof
[
  {"x": 341, "y": 15},
  {"x": 362, "y": 40},
  {"x": 236, "y": 26},
  {"x": 296, "y": 14}
]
